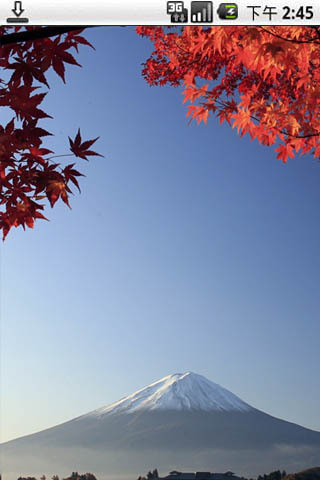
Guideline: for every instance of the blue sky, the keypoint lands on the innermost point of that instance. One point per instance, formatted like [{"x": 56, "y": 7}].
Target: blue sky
[{"x": 189, "y": 249}]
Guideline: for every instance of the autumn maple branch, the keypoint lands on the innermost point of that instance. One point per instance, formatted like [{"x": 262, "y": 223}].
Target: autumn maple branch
[
  {"x": 37, "y": 34},
  {"x": 32, "y": 177},
  {"x": 223, "y": 104},
  {"x": 292, "y": 40},
  {"x": 316, "y": 28}
]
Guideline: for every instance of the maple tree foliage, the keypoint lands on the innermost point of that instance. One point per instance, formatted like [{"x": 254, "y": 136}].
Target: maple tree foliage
[
  {"x": 28, "y": 173},
  {"x": 264, "y": 81}
]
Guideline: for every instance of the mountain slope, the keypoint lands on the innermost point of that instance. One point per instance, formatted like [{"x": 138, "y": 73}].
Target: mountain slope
[
  {"x": 182, "y": 421},
  {"x": 180, "y": 391},
  {"x": 310, "y": 474}
]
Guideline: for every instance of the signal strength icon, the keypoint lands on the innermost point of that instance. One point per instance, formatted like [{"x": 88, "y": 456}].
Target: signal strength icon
[{"x": 201, "y": 12}]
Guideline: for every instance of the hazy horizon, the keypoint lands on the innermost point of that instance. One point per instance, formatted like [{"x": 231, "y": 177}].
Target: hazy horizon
[{"x": 189, "y": 249}]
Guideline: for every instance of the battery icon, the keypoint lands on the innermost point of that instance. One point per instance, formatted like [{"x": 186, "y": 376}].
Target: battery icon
[{"x": 228, "y": 11}]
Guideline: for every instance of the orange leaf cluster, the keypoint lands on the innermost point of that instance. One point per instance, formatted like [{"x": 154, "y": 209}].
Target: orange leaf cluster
[
  {"x": 265, "y": 80},
  {"x": 27, "y": 174}
]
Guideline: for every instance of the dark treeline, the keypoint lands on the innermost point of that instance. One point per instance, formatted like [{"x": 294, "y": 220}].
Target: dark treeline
[
  {"x": 277, "y": 475},
  {"x": 150, "y": 475},
  {"x": 309, "y": 474},
  {"x": 73, "y": 476}
]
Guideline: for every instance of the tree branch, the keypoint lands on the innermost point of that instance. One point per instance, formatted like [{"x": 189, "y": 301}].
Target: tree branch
[
  {"x": 223, "y": 104},
  {"x": 42, "y": 32},
  {"x": 292, "y": 40}
]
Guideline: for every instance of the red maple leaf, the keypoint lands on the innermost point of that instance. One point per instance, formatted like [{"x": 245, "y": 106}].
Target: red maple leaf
[{"x": 81, "y": 149}]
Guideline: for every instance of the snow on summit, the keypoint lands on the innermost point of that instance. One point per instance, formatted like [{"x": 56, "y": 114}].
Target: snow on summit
[{"x": 180, "y": 391}]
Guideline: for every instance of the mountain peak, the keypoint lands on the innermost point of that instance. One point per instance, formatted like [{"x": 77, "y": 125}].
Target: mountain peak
[{"x": 178, "y": 391}]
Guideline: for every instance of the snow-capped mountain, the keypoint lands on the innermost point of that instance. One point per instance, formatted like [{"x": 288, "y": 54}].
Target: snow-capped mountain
[
  {"x": 183, "y": 421},
  {"x": 180, "y": 391}
]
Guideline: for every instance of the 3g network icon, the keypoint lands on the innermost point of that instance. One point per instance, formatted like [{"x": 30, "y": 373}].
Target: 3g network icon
[
  {"x": 179, "y": 14},
  {"x": 175, "y": 7}
]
